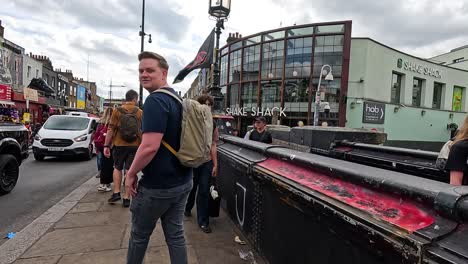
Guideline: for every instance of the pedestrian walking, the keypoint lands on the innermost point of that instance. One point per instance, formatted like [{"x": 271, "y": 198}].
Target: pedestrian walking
[
  {"x": 260, "y": 133},
  {"x": 165, "y": 185},
  {"x": 124, "y": 136},
  {"x": 458, "y": 155},
  {"x": 202, "y": 177},
  {"x": 105, "y": 164}
]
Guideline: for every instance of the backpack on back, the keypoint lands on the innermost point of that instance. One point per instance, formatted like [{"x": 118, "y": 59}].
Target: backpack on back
[
  {"x": 129, "y": 127},
  {"x": 197, "y": 132}
]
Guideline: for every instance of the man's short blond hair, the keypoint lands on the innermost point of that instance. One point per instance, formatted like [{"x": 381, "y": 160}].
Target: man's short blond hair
[{"x": 153, "y": 55}]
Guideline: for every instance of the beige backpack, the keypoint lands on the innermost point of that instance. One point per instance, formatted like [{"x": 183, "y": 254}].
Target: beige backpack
[{"x": 197, "y": 132}]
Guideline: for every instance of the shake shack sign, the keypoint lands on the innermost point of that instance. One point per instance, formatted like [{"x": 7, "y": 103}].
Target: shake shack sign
[
  {"x": 374, "y": 113},
  {"x": 418, "y": 68}
]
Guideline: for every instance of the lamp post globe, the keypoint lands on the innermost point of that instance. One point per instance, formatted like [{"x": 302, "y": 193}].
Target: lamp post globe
[{"x": 219, "y": 8}]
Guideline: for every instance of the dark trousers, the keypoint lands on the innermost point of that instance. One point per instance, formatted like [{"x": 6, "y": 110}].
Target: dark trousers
[
  {"x": 201, "y": 181},
  {"x": 107, "y": 169}
]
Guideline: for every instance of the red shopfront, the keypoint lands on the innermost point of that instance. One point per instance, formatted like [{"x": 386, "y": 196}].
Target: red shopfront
[{"x": 35, "y": 108}]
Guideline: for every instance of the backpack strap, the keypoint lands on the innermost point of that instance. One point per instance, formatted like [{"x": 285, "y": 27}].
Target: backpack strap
[
  {"x": 169, "y": 147},
  {"x": 121, "y": 110},
  {"x": 178, "y": 99},
  {"x": 169, "y": 93}
]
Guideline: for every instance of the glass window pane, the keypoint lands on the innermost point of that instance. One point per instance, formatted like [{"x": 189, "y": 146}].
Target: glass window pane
[
  {"x": 437, "y": 96},
  {"x": 273, "y": 35},
  {"x": 253, "y": 40},
  {"x": 301, "y": 31},
  {"x": 319, "y": 41},
  {"x": 299, "y": 43},
  {"x": 307, "y": 42},
  {"x": 339, "y": 40},
  {"x": 329, "y": 40},
  {"x": 330, "y": 29},
  {"x": 236, "y": 45}
]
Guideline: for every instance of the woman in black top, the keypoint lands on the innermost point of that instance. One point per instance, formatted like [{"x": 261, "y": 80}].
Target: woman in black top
[{"x": 457, "y": 159}]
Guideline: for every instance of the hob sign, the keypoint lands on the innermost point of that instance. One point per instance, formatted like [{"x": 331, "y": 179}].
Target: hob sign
[{"x": 373, "y": 113}]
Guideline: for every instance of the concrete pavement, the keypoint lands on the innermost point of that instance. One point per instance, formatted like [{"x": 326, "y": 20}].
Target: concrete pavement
[{"x": 89, "y": 230}]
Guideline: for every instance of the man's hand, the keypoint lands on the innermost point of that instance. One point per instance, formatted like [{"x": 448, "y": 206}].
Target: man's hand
[
  {"x": 131, "y": 183},
  {"x": 107, "y": 153},
  {"x": 214, "y": 172}
]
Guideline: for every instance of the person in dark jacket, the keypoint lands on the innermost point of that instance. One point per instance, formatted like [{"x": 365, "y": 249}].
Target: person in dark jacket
[
  {"x": 458, "y": 155},
  {"x": 260, "y": 133}
]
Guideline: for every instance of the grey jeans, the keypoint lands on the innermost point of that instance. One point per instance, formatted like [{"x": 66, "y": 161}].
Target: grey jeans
[{"x": 147, "y": 207}]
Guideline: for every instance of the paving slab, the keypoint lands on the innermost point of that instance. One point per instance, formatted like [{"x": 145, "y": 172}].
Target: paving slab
[
  {"x": 100, "y": 257},
  {"x": 86, "y": 207},
  {"x": 39, "y": 260},
  {"x": 94, "y": 219},
  {"x": 160, "y": 255},
  {"x": 157, "y": 238},
  {"x": 77, "y": 240}
]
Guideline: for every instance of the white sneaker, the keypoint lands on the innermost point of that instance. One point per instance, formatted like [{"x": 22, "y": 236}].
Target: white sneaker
[
  {"x": 101, "y": 187},
  {"x": 107, "y": 188}
]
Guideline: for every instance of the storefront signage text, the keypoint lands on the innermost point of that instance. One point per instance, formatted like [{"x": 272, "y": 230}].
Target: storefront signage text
[
  {"x": 256, "y": 111},
  {"x": 421, "y": 69}
]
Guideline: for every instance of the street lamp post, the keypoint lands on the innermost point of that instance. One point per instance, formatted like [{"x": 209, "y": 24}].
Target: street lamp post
[
  {"x": 220, "y": 10},
  {"x": 329, "y": 77},
  {"x": 142, "y": 35},
  {"x": 110, "y": 91}
]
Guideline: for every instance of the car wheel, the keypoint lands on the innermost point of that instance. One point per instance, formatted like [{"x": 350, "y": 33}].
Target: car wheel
[
  {"x": 89, "y": 155},
  {"x": 38, "y": 157},
  {"x": 9, "y": 172}
]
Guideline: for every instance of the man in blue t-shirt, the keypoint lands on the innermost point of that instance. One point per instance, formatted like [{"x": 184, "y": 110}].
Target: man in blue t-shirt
[{"x": 165, "y": 185}]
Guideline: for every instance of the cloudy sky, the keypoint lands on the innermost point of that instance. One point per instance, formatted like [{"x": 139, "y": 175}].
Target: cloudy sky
[{"x": 68, "y": 31}]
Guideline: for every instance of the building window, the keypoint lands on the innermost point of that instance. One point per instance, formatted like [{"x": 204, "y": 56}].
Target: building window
[
  {"x": 271, "y": 91},
  {"x": 330, "y": 29},
  {"x": 234, "y": 96},
  {"x": 396, "y": 88},
  {"x": 328, "y": 50},
  {"x": 458, "y": 98},
  {"x": 37, "y": 73},
  {"x": 298, "y": 57},
  {"x": 417, "y": 89},
  {"x": 223, "y": 70},
  {"x": 294, "y": 32},
  {"x": 53, "y": 82},
  {"x": 235, "y": 65},
  {"x": 272, "y": 62},
  {"x": 251, "y": 63},
  {"x": 273, "y": 35},
  {"x": 249, "y": 95},
  {"x": 71, "y": 90},
  {"x": 28, "y": 74},
  {"x": 437, "y": 96}
]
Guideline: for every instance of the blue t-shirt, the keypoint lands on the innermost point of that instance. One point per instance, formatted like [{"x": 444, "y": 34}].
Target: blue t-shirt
[{"x": 163, "y": 114}]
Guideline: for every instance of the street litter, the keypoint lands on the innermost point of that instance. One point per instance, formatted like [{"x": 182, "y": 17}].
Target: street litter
[
  {"x": 10, "y": 235},
  {"x": 239, "y": 241},
  {"x": 247, "y": 255}
]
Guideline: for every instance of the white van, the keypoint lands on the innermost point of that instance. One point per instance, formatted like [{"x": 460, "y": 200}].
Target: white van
[
  {"x": 78, "y": 114},
  {"x": 65, "y": 135}
]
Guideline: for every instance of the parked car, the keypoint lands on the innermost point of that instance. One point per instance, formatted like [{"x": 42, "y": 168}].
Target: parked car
[
  {"x": 13, "y": 150},
  {"x": 65, "y": 135}
]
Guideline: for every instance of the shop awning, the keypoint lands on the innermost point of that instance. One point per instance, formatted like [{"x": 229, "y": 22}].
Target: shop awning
[{"x": 3, "y": 102}]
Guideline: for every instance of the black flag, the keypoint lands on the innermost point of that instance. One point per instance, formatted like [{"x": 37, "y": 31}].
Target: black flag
[{"x": 203, "y": 59}]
